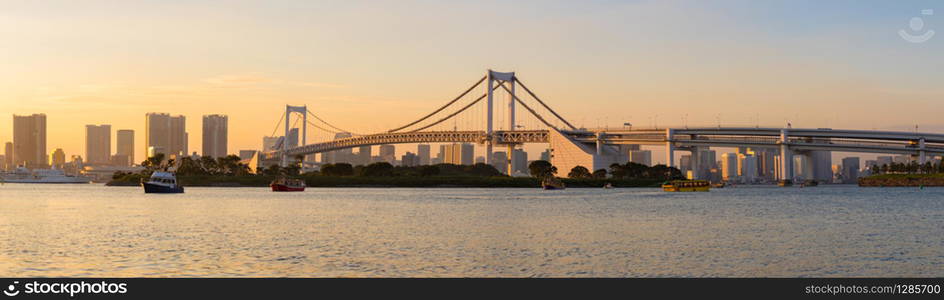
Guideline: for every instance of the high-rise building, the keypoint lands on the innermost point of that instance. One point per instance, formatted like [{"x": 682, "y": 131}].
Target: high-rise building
[
  {"x": 291, "y": 141},
  {"x": 643, "y": 157},
  {"x": 97, "y": 144},
  {"x": 409, "y": 160},
  {"x": 747, "y": 167},
  {"x": 822, "y": 165},
  {"x": 850, "y": 169},
  {"x": 802, "y": 167},
  {"x": 7, "y": 156},
  {"x": 458, "y": 154},
  {"x": 685, "y": 163},
  {"x": 363, "y": 155},
  {"x": 422, "y": 152},
  {"x": 500, "y": 161},
  {"x": 270, "y": 143},
  {"x": 58, "y": 158},
  {"x": 729, "y": 166},
  {"x": 345, "y": 155},
  {"x": 125, "y": 145},
  {"x": 546, "y": 155},
  {"x": 480, "y": 159},
  {"x": 388, "y": 153},
  {"x": 29, "y": 141},
  {"x": 165, "y": 134},
  {"x": 520, "y": 162},
  {"x": 215, "y": 131}
]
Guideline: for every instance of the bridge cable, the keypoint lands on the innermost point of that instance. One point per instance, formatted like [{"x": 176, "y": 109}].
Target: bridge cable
[
  {"x": 530, "y": 110},
  {"x": 542, "y": 103},
  {"x": 453, "y": 114},
  {"x": 443, "y": 107},
  {"x": 277, "y": 124},
  {"x": 329, "y": 124}
]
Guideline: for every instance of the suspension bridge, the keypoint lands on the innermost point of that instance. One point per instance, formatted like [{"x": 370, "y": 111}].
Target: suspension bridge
[{"x": 487, "y": 113}]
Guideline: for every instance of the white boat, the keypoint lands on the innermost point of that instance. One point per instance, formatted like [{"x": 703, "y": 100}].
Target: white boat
[
  {"x": 24, "y": 175},
  {"x": 162, "y": 183}
]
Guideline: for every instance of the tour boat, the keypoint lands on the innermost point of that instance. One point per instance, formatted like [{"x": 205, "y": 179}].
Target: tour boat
[
  {"x": 608, "y": 186},
  {"x": 288, "y": 185},
  {"x": 551, "y": 183},
  {"x": 686, "y": 186},
  {"x": 24, "y": 175},
  {"x": 162, "y": 183}
]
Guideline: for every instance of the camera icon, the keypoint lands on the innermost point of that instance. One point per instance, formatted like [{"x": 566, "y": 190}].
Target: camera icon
[{"x": 916, "y": 24}]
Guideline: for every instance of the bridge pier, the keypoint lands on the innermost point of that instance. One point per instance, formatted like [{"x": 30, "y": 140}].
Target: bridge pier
[
  {"x": 669, "y": 147},
  {"x": 786, "y": 159}
]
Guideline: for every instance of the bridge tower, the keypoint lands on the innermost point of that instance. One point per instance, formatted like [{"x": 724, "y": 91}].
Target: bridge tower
[
  {"x": 508, "y": 80},
  {"x": 289, "y": 109}
]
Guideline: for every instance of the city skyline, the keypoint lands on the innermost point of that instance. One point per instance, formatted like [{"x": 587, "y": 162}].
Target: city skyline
[{"x": 647, "y": 59}]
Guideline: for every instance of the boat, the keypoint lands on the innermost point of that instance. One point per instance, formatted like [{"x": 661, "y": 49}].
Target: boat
[
  {"x": 608, "y": 186},
  {"x": 783, "y": 183},
  {"x": 162, "y": 183},
  {"x": 686, "y": 186},
  {"x": 552, "y": 183},
  {"x": 809, "y": 183},
  {"x": 718, "y": 185},
  {"x": 24, "y": 175},
  {"x": 287, "y": 185}
]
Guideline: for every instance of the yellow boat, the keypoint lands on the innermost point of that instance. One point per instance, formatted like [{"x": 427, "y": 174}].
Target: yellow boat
[{"x": 686, "y": 186}]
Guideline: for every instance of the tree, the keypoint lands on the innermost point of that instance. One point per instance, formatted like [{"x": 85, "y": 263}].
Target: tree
[
  {"x": 579, "y": 172},
  {"x": 153, "y": 163},
  {"x": 541, "y": 168},
  {"x": 377, "y": 169},
  {"x": 599, "y": 174},
  {"x": 429, "y": 171},
  {"x": 481, "y": 169},
  {"x": 339, "y": 169}
]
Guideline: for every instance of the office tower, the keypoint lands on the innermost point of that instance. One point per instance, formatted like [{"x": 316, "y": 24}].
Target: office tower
[
  {"x": 822, "y": 163},
  {"x": 802, "y": 167},
  {"x": 422, "y": 152},
  {"x": 500, "y": 161},
  {"x": 7, "y": 156},
  {"x": 269, "y": 143},
  {"x": 685, "y": 163},
  {"x": 520, "y": 162},
  {"x": 729, "y": 166},
  {"x": 441, "y": 156},
  {"x": 363, "y": 155},
  {"x": 766, "y": 163},
  {"x": 546, "y": 155},
  {"x": 345, "y": 155},
  {"x": 747, "y": 167},
  {"x": 480, "y": 159},
  {"x": 125, "y": 145},
  {"x": 215, "y": 132},
  {"x": 98, "y": 144},
  {"x": 706, "y": 162},
  {"x": 458, "y": 154},
  {"x": 850, "y": 169},
  {"x": 58, "y": 158},
  {"x": 643, "y": 157},
  {"x": 165, "y": 134},
  {"x": 409, "y": 160},
  {"x": 291, "y": 141},
  {"x": 388, "y": 153},
  {"x": 29, "y": 141}
]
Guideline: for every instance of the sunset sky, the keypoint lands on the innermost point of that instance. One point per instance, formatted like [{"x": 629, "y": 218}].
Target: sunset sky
[{"x": 370, "y": 66}]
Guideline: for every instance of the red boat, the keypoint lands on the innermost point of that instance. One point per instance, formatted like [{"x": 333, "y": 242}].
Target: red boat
[{"x": 288, "y": 185}]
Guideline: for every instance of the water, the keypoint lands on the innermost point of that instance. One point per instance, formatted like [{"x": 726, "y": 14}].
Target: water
[{"x": 92, "y": 230}]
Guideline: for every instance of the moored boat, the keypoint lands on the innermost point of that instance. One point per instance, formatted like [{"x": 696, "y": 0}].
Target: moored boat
[
  {"x": 552, "y": 183},
  {"x": 287, "y": 185},
  {"x": 686, "y": 186},
  {"x": 608, "y": 186},
  {"x": 24, "y": 175},
  {"x": 162, "y": 183}
]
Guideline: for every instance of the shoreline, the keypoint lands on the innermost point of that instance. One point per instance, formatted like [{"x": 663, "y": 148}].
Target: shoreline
[{"x": 398, "y": 181}]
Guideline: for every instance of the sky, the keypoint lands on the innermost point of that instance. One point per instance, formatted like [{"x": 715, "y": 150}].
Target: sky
[{"x": 367, "y": 66}]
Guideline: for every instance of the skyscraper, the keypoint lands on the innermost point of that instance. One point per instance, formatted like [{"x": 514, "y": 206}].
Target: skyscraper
[
  {"x": 643, "y": 157},
  {"x": 270, "y": 143},
  {"x": 166, "y": 134},
  {"x": 8, "y": 156},
  {"x": 97, "y": 144},
  {"x": 363, "y": 155},
  {"x": 345, "y": 155},
  {"x": 29, "y": 141},
  {"x": 388, "y": 153},
  {"x": 520, "y": 163},
  {"x": 729, "y": 166},
  {"x": 215, "y": 130},
  {"x": 500, "y": 161},
  {"x": 422, "y": 153},
  {"x": 458, "y": 154},
  {"x": 125, "y": 139},
  {"x": 850, "y": 169}
]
